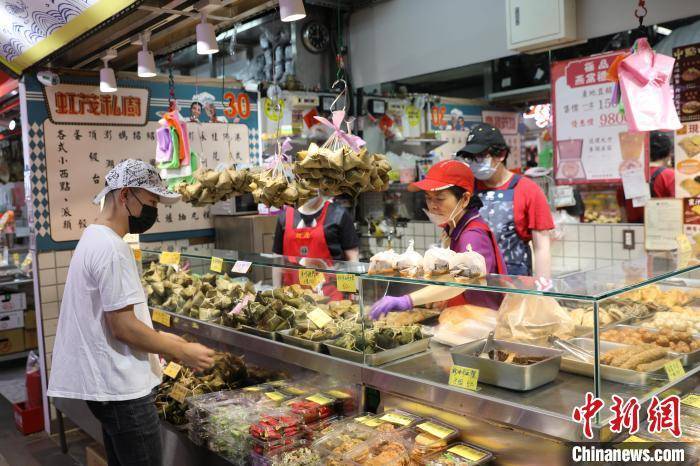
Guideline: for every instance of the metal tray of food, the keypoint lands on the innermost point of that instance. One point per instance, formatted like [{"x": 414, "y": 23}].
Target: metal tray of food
[
  {"x": 259, "y": 332},
  {"x": 519, "y": 377},
  {"x": 687, "y": 359},
  {"x": 614, "y": 374},
  {"x": 582, "y": 331},
  {"x": 383, "y": 357},
  {"x": 285, "y": 336}
]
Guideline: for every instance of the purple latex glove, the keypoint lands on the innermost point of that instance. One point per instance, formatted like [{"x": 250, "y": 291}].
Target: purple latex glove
[{"x": 390, "y": 304}]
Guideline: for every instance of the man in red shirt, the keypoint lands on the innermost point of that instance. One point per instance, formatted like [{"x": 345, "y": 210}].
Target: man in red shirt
[
  {"x": 515, "y": 207},
  {"x": 662, "y": 179}
]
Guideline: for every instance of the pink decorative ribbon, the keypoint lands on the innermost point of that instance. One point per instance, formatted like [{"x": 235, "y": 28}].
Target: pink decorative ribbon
[{"x": 355, "y": 142}]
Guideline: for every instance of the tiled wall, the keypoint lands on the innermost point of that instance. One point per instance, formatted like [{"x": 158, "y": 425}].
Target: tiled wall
[
  {"x": 587, "y": 246},
  {"x": 424, "y": 235}
]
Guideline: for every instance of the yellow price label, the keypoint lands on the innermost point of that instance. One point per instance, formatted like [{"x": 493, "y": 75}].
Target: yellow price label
[
  {"x": 371, "y": 422},
  {"x": 310, "y": 277},
  {"x": 436, "y": 429},
  {"x": 275, "y": 396},
  {"x": 254, "y": 388},
  {"x": 277, "y": 383},
  {"x": 194, "y": 325},
  {"x": 413, "y": 114},
  {"x": 179, "y": 392},
  {"x": 216, "y": 265},
  {"x": 320, "y": 399},
  {"x": 294, "y": 390},
  {"x": 346, "y": 282},
  {"x": 169, "y": 258},
  {"x": 464, "y": 377},
  {"x": 674, "y": 369},
  {"x": 466, "y": 452},
  {"x": 319, "y": 318},
  {"x": 172, "y": 369},
  {"x": 691, "y": 400},
  {"x": 338, "y": 394},
  {"x": 161, "y": 317},
  {"x": 137, "y": 254},
  {"x": 397, "y": 419}
]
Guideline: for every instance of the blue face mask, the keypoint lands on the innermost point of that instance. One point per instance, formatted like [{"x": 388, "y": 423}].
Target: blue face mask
[{"x": 482, "y": 169}]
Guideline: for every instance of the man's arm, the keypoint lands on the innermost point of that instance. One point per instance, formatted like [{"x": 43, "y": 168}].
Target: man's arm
[
  {"x": 542, "y": 263},
  {"x": 126, "y": 328}
]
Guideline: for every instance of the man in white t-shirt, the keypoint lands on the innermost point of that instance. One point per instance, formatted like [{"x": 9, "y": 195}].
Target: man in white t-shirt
[{"x": 106, "y": 349}]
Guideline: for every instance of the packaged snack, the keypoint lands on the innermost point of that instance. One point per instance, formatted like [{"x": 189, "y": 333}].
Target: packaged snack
[
  {"x": 437, "y": 261},
  {"x": 383, "y": 449},
  {"x": 398, "y": 418},
  {"x": 315, "y": 407},
  {"x": 277, "y": 424},
  {"x": 410, "y": 263},
  {"x": 383, "y": 262},
  {"x": 460, "y": 454},
  {"x": 343, "y": 439},
  {"x": 430, "y": 436}
]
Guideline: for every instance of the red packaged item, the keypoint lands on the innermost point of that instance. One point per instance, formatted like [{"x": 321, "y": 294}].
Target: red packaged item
[{"x": 277, "y": 425}]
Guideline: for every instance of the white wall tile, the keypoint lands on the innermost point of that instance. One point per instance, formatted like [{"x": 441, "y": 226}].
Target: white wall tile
[
  {"x": 46, "y": 260},
  {"x": 571, "y": 249},
  {"x": 50, "y": 327},
  {"x": 587, "y": 264},
  {"x": 49, "y": 294},
  {"x": 47, "y": 277},
  {"x": 586, "y": 232},
  {"x": 571, "y": 232},
  {"x": 571, "y": 263},
  {"x": 603, "y": 263},
  {"x": 636, "y": 253},
  {"x": 60, "y": 289},
  {"x": 587, "y": 249},
  {"x": 49, "y": 310},
  {"x": 557, "y": 263},
  {"x": 620, "y": 253},
  {"x": 61, "y": 275},
  {"x": 603, "y": 250},
  {"x": 617, "y": 235},
  {"x": 557, "y": 248},
  {"x": 49, "y": 342},
  {"x": 603, "y": 233},
  {"x": 63, "y": 258}
]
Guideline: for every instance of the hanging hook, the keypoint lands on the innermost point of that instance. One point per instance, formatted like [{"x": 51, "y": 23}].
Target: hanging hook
[
  {"x": 640, "y": 12},
  {"x": 343, "y": 92}
]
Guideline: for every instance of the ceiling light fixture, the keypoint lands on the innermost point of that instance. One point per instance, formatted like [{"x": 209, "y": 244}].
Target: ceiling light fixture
[
  {"x": 292, "y": 10},
  {"x": 108, "y": 81},
  {"x": 206, "y": 38},
  {"x": 12, "y": 125},
  {"x": 662, "y": 30},
  {"x": 146, "y": 63}
]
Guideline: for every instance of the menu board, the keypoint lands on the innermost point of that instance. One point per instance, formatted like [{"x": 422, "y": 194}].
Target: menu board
[
  {"x": 591, "y": 141},
  {"x": 78, "y": 156},
  {"x": 686, "y": 82},
  {"x": 687, "y": 159},
  {"x": 507, "y": 123},
  {"x": 663, "y": 223}
]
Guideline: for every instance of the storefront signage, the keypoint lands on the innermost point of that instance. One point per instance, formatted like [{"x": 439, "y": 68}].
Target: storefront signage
[
  {"x": 81, "y": 104},
  {"x": 591, "y": 141},
  {"x": 506, "y": 122},
  {"x": 686, "y": 82}
]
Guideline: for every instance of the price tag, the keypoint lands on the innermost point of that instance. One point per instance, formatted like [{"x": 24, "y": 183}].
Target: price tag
[
  {"x": 194, "y": 325},
  {"x": 319, "y": 318},
  {"x": 370, "y": 421},
  {"x": 294, "y": 390},
  {"x": 464, "y": 377},
  {"x": 137, "y": 254},
  {"x": 674, "y": 369},
  {"x": 161, "y": 317},
  {"x": 338, "y": 394},
  {"x": 254, "y": 388},
  {"x": 179, "y": 393},
  {"x": 685, "y": 250},
  {"x": 169, "y": 258},
  {"x": 346, "y": 282},
  {"x": 691, "y": 400},
  {"x": 240, "y": 267},
  {"x": 436, "y": 429},
  {"x": 310, "y": 277},
  {"x": 278, "y": 383},
  {"x": 172, "y": 369},
  {"x": 216, "y": 265},
  {"x": 275, "y": 396},
  {"x": 242, "y": 303},
  {"x": 320, "y": 399},
  {"x": 131, "y": 238},
  {"x": 397, "y": 419},
  {"x": 466, "y": 452}
]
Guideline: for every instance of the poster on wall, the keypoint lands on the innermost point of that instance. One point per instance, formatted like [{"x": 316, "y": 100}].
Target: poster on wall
[
  {"x": 507, "y": 123},
  {"x": 687, "y": 160},
  {"x": 686, "y": 82},
  {"x": 453, "y": 117},
  {"x": 591, "y": 139},
  {"x": 691, "y": 222},
  {"x": 77, "y": 134}
]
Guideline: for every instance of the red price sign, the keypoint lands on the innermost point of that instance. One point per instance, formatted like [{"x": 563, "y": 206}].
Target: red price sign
[{"x": 237, "y": 105}]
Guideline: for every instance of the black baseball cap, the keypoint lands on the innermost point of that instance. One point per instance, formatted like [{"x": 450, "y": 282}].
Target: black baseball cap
[{"x": 481, "y": 137}]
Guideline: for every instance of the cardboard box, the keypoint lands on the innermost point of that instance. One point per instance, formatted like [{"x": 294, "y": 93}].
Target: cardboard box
[
  {"x": 95, "y": 455},
  {"x": 30, "y": 319},
  {"x": 12, "y": 319},
  {"x": 11, "y": 341},
  {"x": 30, "y": 341},
  {"x": 13, "y": 302}
]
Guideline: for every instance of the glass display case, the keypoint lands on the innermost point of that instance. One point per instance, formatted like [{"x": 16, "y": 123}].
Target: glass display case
[{"x": 631, "y": 330}]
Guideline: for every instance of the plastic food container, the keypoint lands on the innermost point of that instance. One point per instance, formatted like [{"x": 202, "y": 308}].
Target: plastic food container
[
  {"x": 347, "y": 396},
  {"x": 315, "y": 407},
  {"x": 430, "y": 436},
  {"x": 262, "y": 453},
  {"x": 460, "y": 454},
  {"x": 383, "y": 449},
  {"x": 399, "y": 419},
  {"x": 296, "y": 389},
  {"x": 277, "y": 424},
  {"x": 343, "y": 439},
  {"x": 319, "y": 428}
]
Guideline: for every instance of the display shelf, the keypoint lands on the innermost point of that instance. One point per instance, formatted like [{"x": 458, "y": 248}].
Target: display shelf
[
  {"x": 15, "y": 356},
  {"x": 17, "y": 282}
]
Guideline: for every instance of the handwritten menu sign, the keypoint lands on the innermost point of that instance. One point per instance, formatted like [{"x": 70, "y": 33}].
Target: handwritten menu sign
[
  {"x": 591, "y": 141},
  {"x": 686, "y": 82},
  {"x": 78, "y": 156}
]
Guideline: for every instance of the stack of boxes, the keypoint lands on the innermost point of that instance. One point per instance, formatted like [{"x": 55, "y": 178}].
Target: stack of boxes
[{"x": 12, "y": 323}]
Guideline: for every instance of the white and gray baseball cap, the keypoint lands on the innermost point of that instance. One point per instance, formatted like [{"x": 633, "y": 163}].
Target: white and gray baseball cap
[{"x": 136, "y": 174}]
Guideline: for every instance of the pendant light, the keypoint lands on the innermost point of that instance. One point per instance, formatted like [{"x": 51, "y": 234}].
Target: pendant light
[
  {"x": 206, "y": 38},
  {"x": 146, "y": 63},
  {"x": 292, "y": 10},
  {"x": 108, "y": 82}
]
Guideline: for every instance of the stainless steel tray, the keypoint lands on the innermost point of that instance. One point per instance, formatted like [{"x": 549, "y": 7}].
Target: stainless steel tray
[
  {"x": 506, "y": 375},
  {"x": 286, "y": 337},
  {"x": 687, "y": 359},
  {"x": 258, "y": 332},
  {"x": 613, "y": 374},
  {"x": 383, "y": 357},
  {"x": 581, "y": 331}
]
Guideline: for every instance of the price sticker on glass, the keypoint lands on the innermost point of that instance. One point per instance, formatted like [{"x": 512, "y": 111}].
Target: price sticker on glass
[
  {"x": 241, "y": 267},
  {"x": 275, "y": 396},
  {"x": 161, "y": 317},
  {"x": 310, "y": 277},
  {"x": 216, "y": 265},
  {"x": 169, "y": 258},
  {"x": 674, "y": 369},
  {"x": 172, "y": 369},
  {"x": 464, "y": 377},
  {"x": 346, "y": 283},
  {"x": 691, "y": 399}
]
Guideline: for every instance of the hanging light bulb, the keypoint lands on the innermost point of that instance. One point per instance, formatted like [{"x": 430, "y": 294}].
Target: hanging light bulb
[
  {"x": 292, "y": 10},
  {"x": 12, "y": 125},
  {"x": 146, "y": 63},
  {"x": 206, "y": 38},
  {"x": 108, "y": 82}
]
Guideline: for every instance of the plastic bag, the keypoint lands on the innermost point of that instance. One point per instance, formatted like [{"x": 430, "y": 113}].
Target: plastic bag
[
  {"x": 410, "y": 263},
  {"x": 532, "y": 320},
  {"x": 464, "y": 323},
  {"x": 561, "y": 218},
  {"x": 437, "y": 261},
  {"x": 467, "y": 265},
  {"x": 646, "y": 90},
  {"x": 383, "y": 262}
]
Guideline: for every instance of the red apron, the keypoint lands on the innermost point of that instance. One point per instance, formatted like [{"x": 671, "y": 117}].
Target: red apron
[
  {"x": 307, "y": 242},
  {"x": 478, "y": 224}
]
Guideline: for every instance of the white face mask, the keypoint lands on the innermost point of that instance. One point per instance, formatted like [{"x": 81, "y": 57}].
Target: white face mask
[
  {"x": 440, "y": 220},
  {"x": 482, "y": 170}
]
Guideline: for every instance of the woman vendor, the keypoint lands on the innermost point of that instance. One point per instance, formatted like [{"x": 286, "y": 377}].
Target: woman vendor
[{"x": 449, "y": 189}]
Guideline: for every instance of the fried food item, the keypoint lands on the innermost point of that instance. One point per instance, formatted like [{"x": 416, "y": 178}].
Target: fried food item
[
  {"x": 690, "y": 144},
  {"x": 644, "y": 357},
  {"x": 691, "y": 74},
  {"x": 608, "y": 357},
  {"x": 636, "y": 357},
  {"x": 690, "y": 107},
  {"x": 692, "y": 186},
  {"x": 674, "y": 340}
]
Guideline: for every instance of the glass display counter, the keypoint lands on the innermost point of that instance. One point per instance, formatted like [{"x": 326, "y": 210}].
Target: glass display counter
[{"x": 629, "y": 330}]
